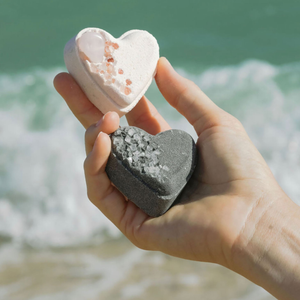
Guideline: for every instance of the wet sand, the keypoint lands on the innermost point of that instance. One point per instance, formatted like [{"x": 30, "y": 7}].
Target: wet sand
[{"x": 116, "y": 270}]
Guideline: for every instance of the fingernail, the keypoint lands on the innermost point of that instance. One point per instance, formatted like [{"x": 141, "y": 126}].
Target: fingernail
[
  {"x": 102, "y": 119},
  {"x": 101, "y": 133}
]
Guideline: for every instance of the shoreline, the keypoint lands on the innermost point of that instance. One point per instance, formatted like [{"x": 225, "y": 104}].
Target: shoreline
[{"x": 117, "y": 270}]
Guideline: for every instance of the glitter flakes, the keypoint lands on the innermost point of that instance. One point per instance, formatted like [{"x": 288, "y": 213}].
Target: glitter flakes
[{"x": 139, "y": 151}]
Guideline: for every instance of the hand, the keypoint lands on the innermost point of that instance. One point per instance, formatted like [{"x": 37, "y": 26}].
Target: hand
[{"x": 229, "y": 193}]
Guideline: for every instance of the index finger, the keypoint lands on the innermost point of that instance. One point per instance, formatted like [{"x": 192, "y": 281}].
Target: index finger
[
  {"x": 83, "y": 109},
  {"x": 144, "y": 115},
  {"x": 188, "y": 99}
]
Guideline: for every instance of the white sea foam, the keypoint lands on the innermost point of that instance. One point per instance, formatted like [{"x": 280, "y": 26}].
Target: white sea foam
[
  {"x": 42, "y": 191},
  {"x": 266, "y": 99}
]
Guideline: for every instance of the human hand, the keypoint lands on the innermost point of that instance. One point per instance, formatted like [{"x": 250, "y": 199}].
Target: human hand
[{"x": 224, "y": 202}]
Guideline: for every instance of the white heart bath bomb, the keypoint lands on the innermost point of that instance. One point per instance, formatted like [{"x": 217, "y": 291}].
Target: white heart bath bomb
[{"x": 113, "y": 73}]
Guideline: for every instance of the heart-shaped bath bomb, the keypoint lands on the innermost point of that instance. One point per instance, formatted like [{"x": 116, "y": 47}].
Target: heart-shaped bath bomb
[
  {"x": 151, "y": 171},
  {"x": 113, "y": 73}
]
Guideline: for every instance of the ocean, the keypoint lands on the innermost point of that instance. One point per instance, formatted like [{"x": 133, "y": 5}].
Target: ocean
[{"x": 54, "y": 244}]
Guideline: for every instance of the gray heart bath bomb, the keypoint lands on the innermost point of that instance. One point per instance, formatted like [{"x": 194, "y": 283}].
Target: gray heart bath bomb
[{"x": 151, "y": 171}]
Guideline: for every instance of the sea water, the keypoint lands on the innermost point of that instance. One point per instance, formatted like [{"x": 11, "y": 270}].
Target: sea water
[{"x": 54, "y": 244}]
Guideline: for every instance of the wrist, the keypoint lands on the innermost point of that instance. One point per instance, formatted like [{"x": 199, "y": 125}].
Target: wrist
[{"x": 267, "y": 250}]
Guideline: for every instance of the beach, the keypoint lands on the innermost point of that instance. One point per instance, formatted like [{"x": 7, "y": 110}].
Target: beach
[
  {"x": 54, "y": 244},
  {"x": 117, "y": 270}
]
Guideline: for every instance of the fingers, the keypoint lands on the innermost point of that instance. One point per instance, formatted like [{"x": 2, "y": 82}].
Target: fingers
[
  {"x": 108, "y": 124},
  {"x": 100, "y": 190},
  {"x": 96, "y": 159},
  {"x": 86, "y": 112},
  {"x": 187, "y": 98},
  {"x": 145, "y": 116},
  {"x": 124, "y": 214}
]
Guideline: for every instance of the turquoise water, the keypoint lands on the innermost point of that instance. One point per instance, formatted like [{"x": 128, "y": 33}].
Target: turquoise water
[
  {"x": 191, "y": 33},
  {"x": 243, "y": 54}
]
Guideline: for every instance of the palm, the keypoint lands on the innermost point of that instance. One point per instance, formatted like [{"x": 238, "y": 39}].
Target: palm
[{"x": 211, "y": 204}]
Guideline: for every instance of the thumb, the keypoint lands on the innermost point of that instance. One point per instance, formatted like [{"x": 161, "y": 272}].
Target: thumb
[{"x": 187, "y": 98}]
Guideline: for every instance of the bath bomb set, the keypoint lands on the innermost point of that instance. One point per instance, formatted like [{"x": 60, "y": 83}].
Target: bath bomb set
[{"x": 151, "y": 171}]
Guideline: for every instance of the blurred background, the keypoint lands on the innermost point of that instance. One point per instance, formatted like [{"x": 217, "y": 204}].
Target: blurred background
[{"x": 53, "y": 243}]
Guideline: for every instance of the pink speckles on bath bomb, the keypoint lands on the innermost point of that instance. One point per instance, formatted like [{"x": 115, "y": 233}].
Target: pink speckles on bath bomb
[
  {"x": 110, "y": 69},
  {"x": 102, "y": 62},
  {"x": 127, "y": 91},
  {"x": 115, "y": 45}
]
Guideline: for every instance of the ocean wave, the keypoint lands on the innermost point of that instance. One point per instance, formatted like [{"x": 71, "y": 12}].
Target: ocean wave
[{"x": 43, "y": 198}]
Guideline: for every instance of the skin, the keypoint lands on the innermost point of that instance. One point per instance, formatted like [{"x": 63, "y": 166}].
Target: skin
[{"x": 232, "y": 211}]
